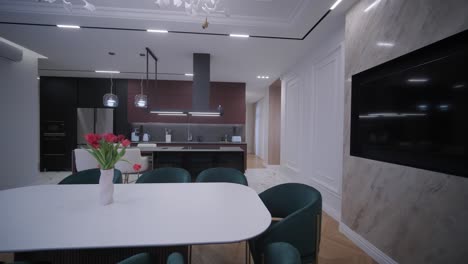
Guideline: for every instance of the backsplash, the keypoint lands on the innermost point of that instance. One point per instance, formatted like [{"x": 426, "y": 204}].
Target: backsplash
[{"x": 200, "y": 132}]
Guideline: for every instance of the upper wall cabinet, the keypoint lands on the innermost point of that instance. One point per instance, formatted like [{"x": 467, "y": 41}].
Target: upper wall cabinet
[
  {"x": 177, "y": 95},
  {"x": 91, "y": 91},
  {"x": 57, "y": 97}
]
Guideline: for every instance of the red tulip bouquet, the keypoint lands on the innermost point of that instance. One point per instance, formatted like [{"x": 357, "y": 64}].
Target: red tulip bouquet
[{"x": 108, "y": 149}]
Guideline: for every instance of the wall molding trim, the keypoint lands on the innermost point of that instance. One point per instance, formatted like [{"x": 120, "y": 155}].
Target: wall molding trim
[{"x": 366, "y": 246}]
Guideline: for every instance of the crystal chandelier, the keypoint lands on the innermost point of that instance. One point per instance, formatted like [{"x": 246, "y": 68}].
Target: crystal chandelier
[
  {"x": 196, "y": 7},
  {"x": 69, "y": 6}
]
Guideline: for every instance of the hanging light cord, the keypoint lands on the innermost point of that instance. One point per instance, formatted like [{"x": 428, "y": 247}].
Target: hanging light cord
[
  {"x": 141, "y": 86},
  {"x": 111, "y": 83}
]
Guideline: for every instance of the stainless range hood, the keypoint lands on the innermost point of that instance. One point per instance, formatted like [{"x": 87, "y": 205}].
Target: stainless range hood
[{"x": 200, "y": 91}]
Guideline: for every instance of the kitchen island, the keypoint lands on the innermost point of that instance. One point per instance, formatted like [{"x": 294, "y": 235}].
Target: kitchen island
[{"x": 196, "y": 158}]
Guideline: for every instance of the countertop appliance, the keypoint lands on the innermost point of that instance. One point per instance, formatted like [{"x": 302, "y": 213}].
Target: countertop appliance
[{"x": 93, "y": 120}]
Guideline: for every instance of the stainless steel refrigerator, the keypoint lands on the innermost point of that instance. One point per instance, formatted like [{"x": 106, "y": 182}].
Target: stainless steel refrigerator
[{"x": 93, "y": 120}]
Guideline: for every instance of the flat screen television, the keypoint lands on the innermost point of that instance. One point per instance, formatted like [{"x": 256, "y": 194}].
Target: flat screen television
[{"x": 413, "y": 110}]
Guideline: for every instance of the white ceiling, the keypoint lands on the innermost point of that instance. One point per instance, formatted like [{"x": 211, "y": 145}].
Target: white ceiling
[{"x": 80, "y": 52}]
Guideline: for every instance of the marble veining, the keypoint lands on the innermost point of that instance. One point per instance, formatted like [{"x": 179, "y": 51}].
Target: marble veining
[{"x": 412, "y": 215}]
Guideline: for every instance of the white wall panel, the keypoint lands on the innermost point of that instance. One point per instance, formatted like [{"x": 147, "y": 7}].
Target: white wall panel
[{"x": 312, "y": 121}]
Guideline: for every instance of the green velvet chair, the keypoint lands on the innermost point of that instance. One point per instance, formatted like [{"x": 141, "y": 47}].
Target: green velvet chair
[
  {"x": 299, "y": 210},
  {"x": 175, "y": 258},
  {"x": 165, "y": 175},
  {"x": 90, "y": 176},
  {"x": 281, "y": 253},
  {"x": 142, "y": 258},
  {"x": 222, "y": 175}
]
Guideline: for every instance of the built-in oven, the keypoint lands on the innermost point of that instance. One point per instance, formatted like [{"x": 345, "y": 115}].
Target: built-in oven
[{"x": 53, "y": 145}]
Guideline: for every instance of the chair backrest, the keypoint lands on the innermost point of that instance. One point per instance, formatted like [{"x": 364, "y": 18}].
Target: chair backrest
[
  {"x": 165, "y": 175},
  {"x": 222, "y": 175},
  {"x": 142, "y": 258},
  {"x": 282, "y": 253},
  {"x": 84, "y": 160},
  {"x": 132, "y": 155},
  {"x": 89, "y": 177},
  {"x": 285, "y": 199},
  {"x": 300, "y": 206},
  {"x": 175, "y": 258}
]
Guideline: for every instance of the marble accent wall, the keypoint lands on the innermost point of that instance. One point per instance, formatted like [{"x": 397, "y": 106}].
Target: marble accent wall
[{"x": 412, "y": 215}]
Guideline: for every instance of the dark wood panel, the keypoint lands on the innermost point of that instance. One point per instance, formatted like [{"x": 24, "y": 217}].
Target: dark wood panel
[
  {"x": 274, "y": 124},
  {"x": 177, "y": 95}
]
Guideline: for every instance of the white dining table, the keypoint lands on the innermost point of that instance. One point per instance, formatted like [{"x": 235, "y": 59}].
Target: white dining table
[{"x": 57, "y": 217}]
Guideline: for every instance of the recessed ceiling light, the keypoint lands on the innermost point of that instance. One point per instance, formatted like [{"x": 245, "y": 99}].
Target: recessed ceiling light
[
  {"x": 376, "y": 2},
  {"x": 335, "y": 4},
  {"x": 157, "y": 31},
  {"x": 103, "y": 71},
  {"x": 189, "y": 74},
  {"x": 68, "y": 26},
  {"x": 239, "y": 35},
  {"x": 385, "y": 44},
  {"x": 38, "y": 78}
]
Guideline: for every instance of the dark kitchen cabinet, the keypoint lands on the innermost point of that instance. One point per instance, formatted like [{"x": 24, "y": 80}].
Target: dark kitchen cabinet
[
  {"x": 91, "y": 91},
  {"x": 59, "y": 99},
  {"x": 57, "y": 122}
]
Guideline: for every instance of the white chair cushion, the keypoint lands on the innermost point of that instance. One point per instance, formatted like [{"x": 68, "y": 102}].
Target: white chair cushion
[{"x": 84, "y": 160}]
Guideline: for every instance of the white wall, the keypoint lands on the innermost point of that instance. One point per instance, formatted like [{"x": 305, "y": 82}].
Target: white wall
[
  {"x": 312, "y": 102},
  {"x": 250, "y": 127},
  {"x": 19, "y": 116}
]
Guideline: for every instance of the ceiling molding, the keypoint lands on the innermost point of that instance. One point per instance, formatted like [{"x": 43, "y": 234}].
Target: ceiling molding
[{"x": 15, "y": 6}]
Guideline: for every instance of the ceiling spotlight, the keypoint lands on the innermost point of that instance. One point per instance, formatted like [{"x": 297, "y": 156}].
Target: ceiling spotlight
[
  {"x": 157, "y": 31},
  {"x": 69, "y": 26},
  {"x": 239, "y": 35},
  {"x": 376, "y": 2},
  {"x": 335, "y": 4},
  {"x": 101, "y": 71},
  {"x": 385, "y": 44},
  {"x": 263, "y": 77}
]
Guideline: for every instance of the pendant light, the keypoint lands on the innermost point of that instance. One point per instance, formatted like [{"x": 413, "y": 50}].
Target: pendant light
[
  {"x": 141, "y": 100},
  {"x": 110, "y": 99}
]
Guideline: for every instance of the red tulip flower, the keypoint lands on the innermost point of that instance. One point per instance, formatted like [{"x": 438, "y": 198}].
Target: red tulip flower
[
  {"x": 110, "y": 138},
  {"x": 136, "y": 167},
  {"x": 125, "y": 143},
  {"x": 120, "y": 138}
]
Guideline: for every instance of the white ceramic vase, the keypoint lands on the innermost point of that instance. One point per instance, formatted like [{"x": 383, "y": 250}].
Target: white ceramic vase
[{"x": 106, "y": 187}]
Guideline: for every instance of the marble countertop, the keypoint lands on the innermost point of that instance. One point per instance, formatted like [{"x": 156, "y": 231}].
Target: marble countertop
[
  {"x": 190, "y": 142},
  {"x": 189, "y": 149}
]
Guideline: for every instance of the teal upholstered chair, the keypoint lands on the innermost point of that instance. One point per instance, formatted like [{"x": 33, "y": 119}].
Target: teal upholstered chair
[
  {"x": 175, "y": 258},
  {"x": 89, "y": 177},
  {"x": 281, "y": 253},
  {"x": 222, "y": 175},
  {"x": 299, "y": 208},
  {"x": 142, "y": 258},
  {"x": 165, "y": 175}
]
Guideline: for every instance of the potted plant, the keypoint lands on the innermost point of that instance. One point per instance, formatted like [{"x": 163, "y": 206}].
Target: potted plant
[{"x": 107, "y": 149}]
